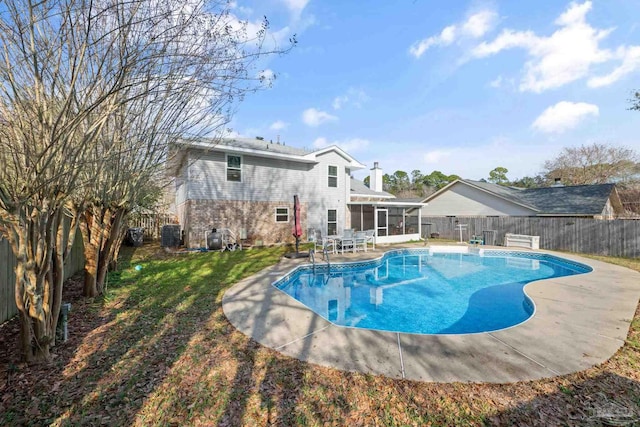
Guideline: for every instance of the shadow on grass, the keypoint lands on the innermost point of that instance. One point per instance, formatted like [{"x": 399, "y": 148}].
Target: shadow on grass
[
  {"x": 159, "y": 351},
  {"x": 109, "y": 369},
  {"x": 604, "y": 399}
]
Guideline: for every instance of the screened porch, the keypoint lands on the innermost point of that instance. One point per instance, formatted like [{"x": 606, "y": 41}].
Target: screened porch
[{"x": 393, "y": 221}]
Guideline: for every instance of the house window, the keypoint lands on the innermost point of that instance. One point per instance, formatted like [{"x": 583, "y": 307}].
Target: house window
[
  {"x": 332, "y": 222},
  {"x": 234, "y": 168},
  {"x": 282, "y": 214},
  {"x": 333, "y": 176}
]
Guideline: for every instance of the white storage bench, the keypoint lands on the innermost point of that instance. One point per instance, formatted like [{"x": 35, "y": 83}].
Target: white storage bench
[{"x": 522, "y": 240}]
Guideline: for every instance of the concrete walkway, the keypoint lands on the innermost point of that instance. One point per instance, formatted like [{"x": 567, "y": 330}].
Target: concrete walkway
[{"x": 580, "y": 321}]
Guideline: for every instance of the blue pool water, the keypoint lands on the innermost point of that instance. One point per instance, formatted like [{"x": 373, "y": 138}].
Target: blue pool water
[{"x": 412, "y": 291}]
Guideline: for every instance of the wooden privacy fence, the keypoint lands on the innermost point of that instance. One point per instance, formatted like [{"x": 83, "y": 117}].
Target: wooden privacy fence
[
  {"x": 152, "y": 223},
  {"x": 8, "y": 308},
  {"x": 590, "y": 236}
]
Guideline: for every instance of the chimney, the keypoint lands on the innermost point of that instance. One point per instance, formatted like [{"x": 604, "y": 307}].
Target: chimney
[
  {"x": 557, "y": 182},
  {"x": 375, "y": 178}
]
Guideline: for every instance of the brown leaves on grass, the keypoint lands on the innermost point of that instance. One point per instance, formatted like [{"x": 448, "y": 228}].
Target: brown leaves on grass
[{"x": 175, "y": 360}]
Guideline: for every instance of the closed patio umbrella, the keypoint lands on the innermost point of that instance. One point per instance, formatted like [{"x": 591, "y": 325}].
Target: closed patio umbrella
[
  {"x": 297, "y": 226},
  {"x": 297, "y": 230}
]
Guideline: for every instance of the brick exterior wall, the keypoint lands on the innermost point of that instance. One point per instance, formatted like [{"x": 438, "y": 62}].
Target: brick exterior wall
[{"x": 257, "y": 218}]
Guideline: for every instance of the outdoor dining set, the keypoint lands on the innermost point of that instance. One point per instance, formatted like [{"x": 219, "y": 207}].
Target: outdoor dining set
[{"x": 349, "y": 241}]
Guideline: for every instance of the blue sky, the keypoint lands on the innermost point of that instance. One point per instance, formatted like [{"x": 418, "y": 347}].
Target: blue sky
[{"x": 460, "y": 86}]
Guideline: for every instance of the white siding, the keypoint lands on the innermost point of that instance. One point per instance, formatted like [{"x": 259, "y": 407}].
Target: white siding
[
  {"x": 274, "y": 180},
  {"x": 462, "y": 200},
  {"x": 181, "y": 186}
]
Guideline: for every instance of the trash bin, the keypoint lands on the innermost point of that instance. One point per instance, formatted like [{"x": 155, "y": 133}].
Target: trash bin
[
  {"x": 489, "y": 237},
  {"x": 135, "y": 236},
  {"x": 214, "y": 240}
]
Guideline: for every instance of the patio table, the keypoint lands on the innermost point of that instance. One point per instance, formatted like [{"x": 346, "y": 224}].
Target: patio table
[{"x": 344, "y": 242}]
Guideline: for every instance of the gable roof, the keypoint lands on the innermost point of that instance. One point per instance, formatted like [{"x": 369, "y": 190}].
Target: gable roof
[
  {"x": 565, "y": 200},
  {"x": 578, "y": 199},
  {"x": 358, "y": 188},
  {"x": 260, "y": 148},
  {"x": 259, "y": 145}
]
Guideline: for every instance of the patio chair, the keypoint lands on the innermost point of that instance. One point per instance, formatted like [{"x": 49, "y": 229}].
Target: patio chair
[
  {"x": 347, "y": 241},
  {"x": 370, "y": 236},
  {"x": 360, "y": 241},
  {"x": 323, "y": 243}
]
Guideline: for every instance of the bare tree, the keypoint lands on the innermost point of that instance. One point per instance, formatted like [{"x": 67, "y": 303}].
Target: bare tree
[
  {"x": 92, "y": 94},
  {"x": 592, "y": 164},
  {"x": 45, "y": 103},
  {"x": 198, "y": 66}
]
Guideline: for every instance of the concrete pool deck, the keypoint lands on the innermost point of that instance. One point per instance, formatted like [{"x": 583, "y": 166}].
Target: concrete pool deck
[{"x": 580, "y": 321}]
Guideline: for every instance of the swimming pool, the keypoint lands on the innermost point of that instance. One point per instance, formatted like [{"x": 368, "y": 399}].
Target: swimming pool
[{"x": 423, "y": 291}]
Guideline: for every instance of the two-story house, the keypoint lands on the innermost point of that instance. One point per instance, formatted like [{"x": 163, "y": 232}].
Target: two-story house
[{"x": 247, "y": 186}]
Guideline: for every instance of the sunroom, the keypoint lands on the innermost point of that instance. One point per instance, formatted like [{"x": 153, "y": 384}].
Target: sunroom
[{"x": 394, "y": 221}]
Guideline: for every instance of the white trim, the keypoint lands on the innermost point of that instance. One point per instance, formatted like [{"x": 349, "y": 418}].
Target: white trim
[
  {"x": 222, "y": 147},
  {"x": 353, "y": 163},
  {"x": 391, "y": 204},
  {"x": 262, "y": 153},
  {"x": 226, "y": 167},
  {"x": 276, "y": 214}
]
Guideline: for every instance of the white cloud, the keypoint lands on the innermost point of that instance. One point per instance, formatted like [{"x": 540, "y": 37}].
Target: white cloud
[
  {"x": 267, "y": 77},
  {"x": 436, "y": 156},
  {"x": 351, "y": 145},
  {"x": 242, "y": 9},
  {"x": 295, "y": 6},
  {"x": 479, "y": 23},
  {"x": 313, "y": 117},
  {"x": 339, "y": 101},
  {"x": 278, "y": 125},
  {"x": 564, "y": 116},
  {"x": 630, "y": 62},
  {"x": 476, "y": 25},
  {"x": 563, "y": 57},
  {"x": 354, "y": 96},
  {"x": 497, "y": 82}
]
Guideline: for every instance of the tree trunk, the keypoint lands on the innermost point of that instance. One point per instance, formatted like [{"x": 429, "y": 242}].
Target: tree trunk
[
  {"x": 101, "y": 229},
  {"x": 109, "y": 247},
  {"x": 91, "y": 229},
  {"x": 34, "y": 237}
]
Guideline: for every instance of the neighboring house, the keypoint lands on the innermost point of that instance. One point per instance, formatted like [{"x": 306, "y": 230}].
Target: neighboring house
[
  {"x": 466, "y": 198},
  {"x": 247, "y": 186}
]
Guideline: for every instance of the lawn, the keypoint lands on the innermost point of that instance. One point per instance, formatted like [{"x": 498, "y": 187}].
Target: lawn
[{"x": 158, "y": 350}]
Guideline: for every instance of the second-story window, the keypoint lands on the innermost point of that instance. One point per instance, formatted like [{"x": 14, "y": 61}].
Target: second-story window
[
  {"x": 333, "y": 176},
  {"x": 234, "y": 168}
]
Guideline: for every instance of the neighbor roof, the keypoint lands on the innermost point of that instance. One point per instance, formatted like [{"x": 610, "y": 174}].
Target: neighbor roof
[{"x": 562, "y": 200}]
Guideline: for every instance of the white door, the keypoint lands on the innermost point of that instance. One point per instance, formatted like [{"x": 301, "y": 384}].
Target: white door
[{"x": 383, "y": 222}]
